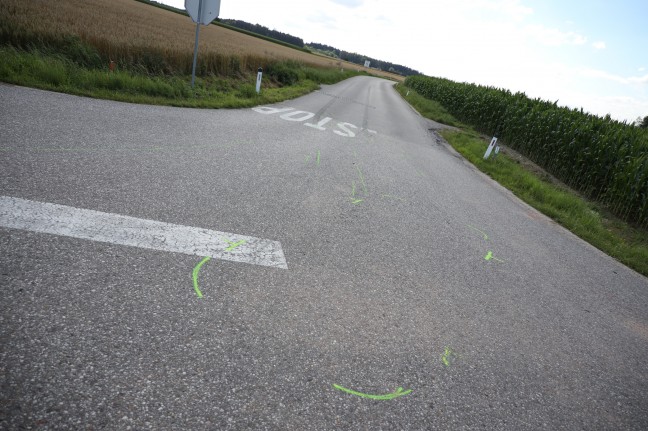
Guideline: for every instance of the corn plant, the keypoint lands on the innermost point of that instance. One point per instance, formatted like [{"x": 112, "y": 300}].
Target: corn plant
[{"x": 604, "y": 159}]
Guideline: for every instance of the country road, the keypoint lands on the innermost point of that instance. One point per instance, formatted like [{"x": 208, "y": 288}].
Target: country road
[{"x": 321, "y": 264}]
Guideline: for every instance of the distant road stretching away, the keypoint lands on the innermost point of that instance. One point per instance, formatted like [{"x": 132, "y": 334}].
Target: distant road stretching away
[{"x": 362, "y": 276}]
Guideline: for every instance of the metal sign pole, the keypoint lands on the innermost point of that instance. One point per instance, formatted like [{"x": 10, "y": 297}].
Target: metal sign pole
[{"x": 193, "y": 69}]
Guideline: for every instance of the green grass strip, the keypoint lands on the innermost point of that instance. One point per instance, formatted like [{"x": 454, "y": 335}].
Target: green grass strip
[
  {"x": 196, "y": 270},
  {"x": 587, "y": 220},
  {"x": 398, "y": 393}
]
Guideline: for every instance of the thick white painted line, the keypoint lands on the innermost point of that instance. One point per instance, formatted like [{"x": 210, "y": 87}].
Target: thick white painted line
[{"x": 64, "y": 220}]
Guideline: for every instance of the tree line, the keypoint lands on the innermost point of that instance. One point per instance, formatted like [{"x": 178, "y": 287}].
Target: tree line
[
  {"x": 360, "y": 59},
  {"x": 324, "y": 49},
  {"x": 265, "y": 31}
]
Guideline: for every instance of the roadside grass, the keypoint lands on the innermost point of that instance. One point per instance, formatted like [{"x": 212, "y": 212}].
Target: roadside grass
[
  {"x": 70, "y": 46},
  {"x": 588, "y": 220},
  {"x": 428, "y": 108},
  {"x": 56, "y": 73},
  {"x": 140, "y": 36}
]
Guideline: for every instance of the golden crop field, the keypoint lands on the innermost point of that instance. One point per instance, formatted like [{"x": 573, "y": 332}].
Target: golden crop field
[{"x": 125, "y": 30}]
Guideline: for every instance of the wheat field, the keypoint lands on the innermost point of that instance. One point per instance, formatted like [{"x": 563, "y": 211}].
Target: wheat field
[{"x": 125, "y": 30}]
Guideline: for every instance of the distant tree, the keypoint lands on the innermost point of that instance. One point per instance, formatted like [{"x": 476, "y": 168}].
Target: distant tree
[{"x": 643, "y": 123}]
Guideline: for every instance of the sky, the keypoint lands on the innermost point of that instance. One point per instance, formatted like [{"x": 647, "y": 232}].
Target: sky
[{"x": 591, "y": 54}]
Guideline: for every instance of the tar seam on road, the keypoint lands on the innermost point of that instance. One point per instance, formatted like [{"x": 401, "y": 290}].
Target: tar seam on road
[
  {"x": 16, "y": 213},
  {"x": 398, "y": 393}
]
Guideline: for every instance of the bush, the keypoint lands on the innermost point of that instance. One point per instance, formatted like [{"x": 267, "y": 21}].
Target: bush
[{"x": 286, "y": 73}]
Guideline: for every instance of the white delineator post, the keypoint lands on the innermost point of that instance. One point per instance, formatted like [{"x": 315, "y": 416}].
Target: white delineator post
[
  {"x": 258, "y": 82},
  {"x": 490, "y": 147}
]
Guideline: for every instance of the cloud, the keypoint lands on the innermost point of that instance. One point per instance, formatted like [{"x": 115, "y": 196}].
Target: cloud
[
  {"x": 349, "y": 3},
  {"x": 599, "y": 45},
  {"x": 639, "y": 79},
  {"x": 554, "y": 37},
  {"x": 594, "y": 73}
]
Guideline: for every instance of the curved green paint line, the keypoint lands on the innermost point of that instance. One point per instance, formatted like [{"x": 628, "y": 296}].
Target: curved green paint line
[
  {"x": 356, "y": 201},
  {"x": 362, "y": 180},
  {"x": 398, "y": 393},
  {"x": 318, "y": 158},
  {"x": 196, "y": 270},
  {"x": 233, "y": 244},
  {"x": 445, "y": 356},
  {"x": 480, "y": 231}
]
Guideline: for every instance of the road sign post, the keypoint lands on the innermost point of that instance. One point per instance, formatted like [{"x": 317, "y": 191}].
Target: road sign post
[{"x": 201, "y": 12}]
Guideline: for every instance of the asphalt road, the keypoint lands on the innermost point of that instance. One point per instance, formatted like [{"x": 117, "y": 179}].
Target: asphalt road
[{"x": 406, "y": 268}]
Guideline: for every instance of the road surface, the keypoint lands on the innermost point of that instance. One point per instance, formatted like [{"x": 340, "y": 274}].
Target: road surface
[{"x": 324, "y": 263}]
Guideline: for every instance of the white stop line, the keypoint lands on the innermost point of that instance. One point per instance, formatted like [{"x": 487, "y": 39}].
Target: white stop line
[{"x": 16, "y": 213}]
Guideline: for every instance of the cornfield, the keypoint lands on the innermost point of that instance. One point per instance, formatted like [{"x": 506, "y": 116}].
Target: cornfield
[{"x": 604, "y": 159}]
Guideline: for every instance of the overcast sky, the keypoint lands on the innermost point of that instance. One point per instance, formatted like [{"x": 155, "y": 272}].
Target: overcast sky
[{"x": 583, "y": 53}]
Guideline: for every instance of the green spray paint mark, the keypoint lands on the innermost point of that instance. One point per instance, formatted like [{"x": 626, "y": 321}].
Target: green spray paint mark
[
  {"x": 446, "y": 355},
  {"x": 353, "y": 188},
  {"x": 480, "y": 231},
  {"x": 233, "y": 244},
  {"x": 362, "y": 181},
  {"x": 398, "y": 393},
  {"x": 419, "y": 173},
  {"x": 356, "y": 201},
  {"x": 196, "y": 270},
  {"x": 307, "y": 159},
  {"x": 490, "y": 256},
  {"x": 317, "y": 162}
]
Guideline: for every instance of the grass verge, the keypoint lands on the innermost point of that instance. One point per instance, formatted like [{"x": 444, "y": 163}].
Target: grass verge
[
  {"x": 428, "y": 108},
  {"x": 55, "y": 72},
  {"x": 588, "y": 220}
]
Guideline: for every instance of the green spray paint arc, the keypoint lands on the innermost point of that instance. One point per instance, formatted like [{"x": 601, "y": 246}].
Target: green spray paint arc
[
  {"x": 196, "y": 270},
  {"x": 480, "y": 231},
  {"x": 398, "y": 393},
  {"x": 446, "y": 355}
]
